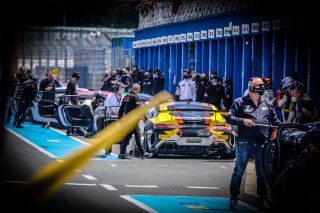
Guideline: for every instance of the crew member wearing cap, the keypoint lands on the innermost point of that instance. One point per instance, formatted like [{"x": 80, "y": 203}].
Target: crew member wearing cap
[
  {"x": 71, "y": 91},
  {"x": 306, "y": 112},
  {"x": 246, "y": 112}
]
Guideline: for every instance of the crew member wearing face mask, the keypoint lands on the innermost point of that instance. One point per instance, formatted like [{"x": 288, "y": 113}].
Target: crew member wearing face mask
[
  {"x": 201, "y": 87},
  {"x": 186, "y": 90},
  {"x": 214, "y": 93},
  {"x": 147, "y": 83},
  {"x": 246, "y": 112},
  {"x": 109, "y": 82},
  {"x": 306, "y": 112}
]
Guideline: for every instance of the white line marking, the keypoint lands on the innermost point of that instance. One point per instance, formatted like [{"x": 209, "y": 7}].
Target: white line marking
[
  {"x": 14, "y": 181},
  {"x": 76, "y": 139},
  {"x": 108, "y": 187},
  {"x": 53, "y": 141},
  {"x": 81, "y": 141},
  {"x": 81, "y": 184},
  {"x": 114, "y": 155},
  {"x": 32, "y": 144},
  {"x": 89, "y": 177},
  {"x": 202, "y": 187},
  {"x": 140, "y": 186},
  {"x": 78, "y": 170},
  {"x": 60, "y": 160},
  {"x": 113, "y": 165},
  {"x": 139, "y": 204},
  {"x": 223, "y": 167}
]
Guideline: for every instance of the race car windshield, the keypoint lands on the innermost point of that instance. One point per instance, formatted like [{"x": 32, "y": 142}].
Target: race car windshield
[{"x": 193, "y": 113}]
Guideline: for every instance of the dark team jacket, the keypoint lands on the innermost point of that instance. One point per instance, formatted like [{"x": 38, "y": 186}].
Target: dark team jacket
[
  {"x": 215, "y": 94},
  {"x": 107, "y": 85},
  {"x": 304, "y": 101},
  {"x": 72, "y": 90},
  {"x": 158, "y": 83},
  {"x": 147, "y": 86},
  {"x": 129, "y": 102},
  {"x": 45, "y": 83},
  {"x": 29, "y": 94},
  {"x": 264, "y": 113}
]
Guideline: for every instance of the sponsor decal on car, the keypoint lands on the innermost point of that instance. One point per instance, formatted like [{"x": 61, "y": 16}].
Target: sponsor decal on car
[
  {"x": 162, "y": 136},
  {"x": 204, "y": 133},
  {"x": 196, "y": 140}
]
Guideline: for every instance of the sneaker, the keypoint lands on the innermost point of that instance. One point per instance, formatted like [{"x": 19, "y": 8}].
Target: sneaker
[
  {"x": 233, "y": 204},
  {"x": 68, "y": 132},
  {"x": 130, "y": 152},
  {"x": 147, "y": 154},
  {"x": 264, "y": 205},
  {"x": 123, "y": 156},
  {"x": 88, "y": 135}
]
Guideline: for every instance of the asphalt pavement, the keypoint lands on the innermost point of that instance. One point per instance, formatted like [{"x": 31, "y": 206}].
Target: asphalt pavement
[{"x": 185, "y": 184}]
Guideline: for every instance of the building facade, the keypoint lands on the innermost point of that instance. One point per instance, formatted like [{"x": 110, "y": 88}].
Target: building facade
[
  {"x": 87, "y": 50},
  {"x": 236, "y": 38}
]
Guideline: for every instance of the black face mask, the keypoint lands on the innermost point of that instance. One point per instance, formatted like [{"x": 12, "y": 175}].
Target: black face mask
[
  {"x": 259, "y": 92},
  {"x": 185, "y": 77}
]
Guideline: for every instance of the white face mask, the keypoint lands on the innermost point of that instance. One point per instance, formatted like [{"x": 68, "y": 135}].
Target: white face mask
[
  {"x": 214, "y": 83},
  {"x": 293, "y": 99}
]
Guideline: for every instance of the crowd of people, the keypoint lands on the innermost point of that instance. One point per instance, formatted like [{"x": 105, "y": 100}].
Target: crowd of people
[
  {"x": 257, "y": 106},
  {"x": 292, "y": 103},
  {"x": 151, "y": 82},
  {"x": 197, "y": 87}
]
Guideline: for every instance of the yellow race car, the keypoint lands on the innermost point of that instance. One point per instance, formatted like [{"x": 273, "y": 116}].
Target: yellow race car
[{"x": 188, "y": 128}]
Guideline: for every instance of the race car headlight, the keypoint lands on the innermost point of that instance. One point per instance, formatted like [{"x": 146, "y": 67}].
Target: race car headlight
[{"x": 164, "y": 126}]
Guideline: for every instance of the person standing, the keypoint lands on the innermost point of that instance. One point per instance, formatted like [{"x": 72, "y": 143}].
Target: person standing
[
  {"x": 201, "y": 87},
  {"x": 27, "y": 97},
  {"x": 50, "y": 83},
  {"x": 228, "y": 99},
  {"x": 147, "y": 83},
  {"x": 109, "y": 82},
  {"x": 306, "y": 112},
  {"x": 130, "y": 102},
  {"x": 214, "y": 93},
  {"x": 246, "y": 112},
  {"x": 186, "y": 89},
  {"x": 71, "y": 91},
  {"x": 114, "y": 99},
  {"x": 158, "y": 81}
]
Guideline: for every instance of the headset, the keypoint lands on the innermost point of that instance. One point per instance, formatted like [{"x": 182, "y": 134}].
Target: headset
[
  {"x": 47, "y": 72},
  {"x": 117, "y": 86}
]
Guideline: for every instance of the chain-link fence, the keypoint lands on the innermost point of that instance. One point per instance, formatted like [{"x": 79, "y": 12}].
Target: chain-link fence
[{"x": 87, "y": 50}]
